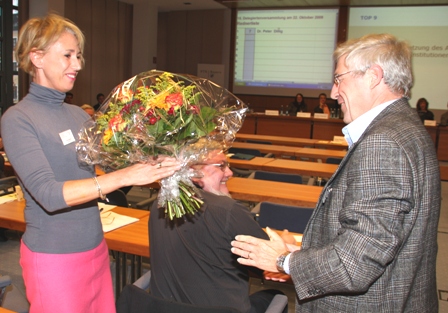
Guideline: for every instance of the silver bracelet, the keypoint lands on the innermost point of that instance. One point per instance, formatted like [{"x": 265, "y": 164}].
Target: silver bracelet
[{"x": 98, "y": 187}]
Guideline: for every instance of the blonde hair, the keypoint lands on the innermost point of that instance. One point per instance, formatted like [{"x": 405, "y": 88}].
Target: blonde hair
[
  {"x": 385, "y": 50},
  {"x": 40, "y": 34}
]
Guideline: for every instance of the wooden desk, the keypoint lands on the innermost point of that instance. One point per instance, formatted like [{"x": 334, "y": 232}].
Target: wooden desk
[
  {"x": 326, "y": 129},
  {"x": 129, "y": 242},
  {"x": 283, "y": 126},
  {"x": 3, "y": 310},
  {"x": 322, "y": 154},
  {"x": 261, "y": 190},
  {"x": 300, "y": 167},
  {"x": 124, "y": 239},
  {"x": 11, "y": 215},
  {"x": 443, "y": 172},
  {"x": 327, "y": 144},
  {"x": 442, "y": 143},
  {"x": 264, "y": 148},
  {"x": 278, "y": 140},
  {"x": 254, "y": 164}
]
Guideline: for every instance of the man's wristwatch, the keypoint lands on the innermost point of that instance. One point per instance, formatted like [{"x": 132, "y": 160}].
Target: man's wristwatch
[{"x": 281, "y": 260}]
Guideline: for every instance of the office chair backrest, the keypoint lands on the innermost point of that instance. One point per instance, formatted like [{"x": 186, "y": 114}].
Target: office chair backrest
[
  {"x": 334, "y": 161},
  {"x": 260, "y": 142},
  {"x": 135, "y": 300},
  {"x": 279, "y": 216},
  {"x": 118, "y": 198},
  {"x": 279, "y": 177},
  {"x": 7, "y": 185},
  {"x": 253, "y": 152}
]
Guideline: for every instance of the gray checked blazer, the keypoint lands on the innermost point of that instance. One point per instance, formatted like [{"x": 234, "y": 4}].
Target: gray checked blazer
[{"x": 371, "y": 243}]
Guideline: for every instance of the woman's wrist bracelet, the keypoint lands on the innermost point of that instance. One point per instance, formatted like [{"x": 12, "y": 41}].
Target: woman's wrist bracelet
[{"x": 98, "y": 188}]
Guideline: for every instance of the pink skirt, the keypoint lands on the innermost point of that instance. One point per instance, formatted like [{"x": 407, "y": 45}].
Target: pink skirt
[{"x": 68, "y": 283}]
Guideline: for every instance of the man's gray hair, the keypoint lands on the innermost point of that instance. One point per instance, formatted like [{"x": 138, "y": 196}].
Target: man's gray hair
[{"x": 385, "y": 50}]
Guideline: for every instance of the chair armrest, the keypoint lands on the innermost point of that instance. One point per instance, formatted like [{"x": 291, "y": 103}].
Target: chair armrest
[
  {"x": 147, "y": 203},
  {"x": 278, "y": 303}
]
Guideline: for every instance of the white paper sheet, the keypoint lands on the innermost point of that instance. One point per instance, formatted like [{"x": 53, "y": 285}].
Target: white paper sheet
[{"x": 111, "y": 220}]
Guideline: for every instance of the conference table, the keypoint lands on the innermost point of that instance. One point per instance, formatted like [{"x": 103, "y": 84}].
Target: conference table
[
  {"x": 312, "y": 153},
  {"x": 256, "y": 190},
  {"x": 128, "y": 244},
  {"x": 292, "y": 141},
  {"x": 285, "y": 166}
]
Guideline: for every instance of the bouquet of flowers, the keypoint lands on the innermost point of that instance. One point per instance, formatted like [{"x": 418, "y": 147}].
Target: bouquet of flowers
[{"x": 161, "y": 113}]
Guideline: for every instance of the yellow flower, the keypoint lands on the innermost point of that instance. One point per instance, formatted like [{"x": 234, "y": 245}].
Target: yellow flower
[{"x": 107, "y": 135}]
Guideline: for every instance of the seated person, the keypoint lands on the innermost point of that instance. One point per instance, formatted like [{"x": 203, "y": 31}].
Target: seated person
[
  {"x": 191, "y": 261},
  {"x": 422, "y": 110},
  {"x": 323, "y": 107},
  {"x": 298, "y": 105},
  {"x": 89, "y": 109}
]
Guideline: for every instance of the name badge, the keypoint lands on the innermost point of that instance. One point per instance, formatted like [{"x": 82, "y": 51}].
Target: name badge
[{"x": 67, "y": 137}]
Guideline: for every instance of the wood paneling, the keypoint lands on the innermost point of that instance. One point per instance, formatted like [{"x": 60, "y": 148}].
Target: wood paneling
[
  {"x": 188, "y": 38},
  {"x": 107, "y": 26}
]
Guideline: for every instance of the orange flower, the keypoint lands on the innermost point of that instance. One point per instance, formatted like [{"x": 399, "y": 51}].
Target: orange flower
[
  {"x": 174, "y": 100},
  {"x": 117, "y": 123}
]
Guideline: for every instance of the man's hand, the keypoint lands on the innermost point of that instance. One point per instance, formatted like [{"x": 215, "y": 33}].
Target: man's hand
[
  {"x": 280, "y": 277},
  {"x": 259, "y": 252}
]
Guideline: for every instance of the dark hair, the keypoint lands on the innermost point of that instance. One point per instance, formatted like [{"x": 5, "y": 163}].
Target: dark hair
[
  {"x": 295, "y": 99},
  {"x": 68, "y": 94},
  {"x": 323, "y": 94},
  {"x": 420, "y": 101},
  {"x": 99, "y": 95}
]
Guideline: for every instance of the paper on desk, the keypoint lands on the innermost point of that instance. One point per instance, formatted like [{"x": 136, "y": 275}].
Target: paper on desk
[
  {"x": 8, "y": 198},
  {"x": 298, "y": 238},
  {"x": 111, "y": 220},
  {"x": 105, "y": 207}
]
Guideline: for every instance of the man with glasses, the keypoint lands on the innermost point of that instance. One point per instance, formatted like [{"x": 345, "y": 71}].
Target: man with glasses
[
  {"x": 371, "y": 243},
  {"x": 191, "y": 261}
]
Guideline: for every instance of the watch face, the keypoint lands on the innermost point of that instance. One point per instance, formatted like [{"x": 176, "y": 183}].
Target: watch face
[{"x": 281, "y": 260}]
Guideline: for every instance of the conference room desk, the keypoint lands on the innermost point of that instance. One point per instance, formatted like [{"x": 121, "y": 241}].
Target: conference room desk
[
  {"x": 333, "y": 145},
  {"x": 256, "y": 163},
  {"x": 278, "y": 140},
  {"x": 312, "y": 153},
  {"x": 300, "y": 167},
  {"x": 266, "y": 148},
  {"x": 283, "y": 125},
  {"x": 322, "y": 154},
  {"x": 284, "y": 193},
  {"x": 128, "y": 244},
  {"x": 326, "y": 129},
  {"x": 285, "y": 166}
]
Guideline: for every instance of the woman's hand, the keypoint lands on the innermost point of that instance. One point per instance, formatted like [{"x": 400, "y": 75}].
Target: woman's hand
[{"x": 147, "y": 173}]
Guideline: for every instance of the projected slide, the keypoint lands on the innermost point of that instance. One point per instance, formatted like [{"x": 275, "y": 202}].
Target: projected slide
[
  {"x": 426, "y": 30},
  {"x": 284, "y": 49}
]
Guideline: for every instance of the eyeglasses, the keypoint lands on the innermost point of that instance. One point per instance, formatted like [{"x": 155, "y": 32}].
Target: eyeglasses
[
  {"x": 336, "y": 78},
  {"x": 223, "y": 165}
]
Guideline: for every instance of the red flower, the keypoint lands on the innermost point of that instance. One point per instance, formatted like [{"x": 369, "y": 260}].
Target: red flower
[
  {"x": 174, "y": 100},
  {"x": 152, "y": 120}
]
